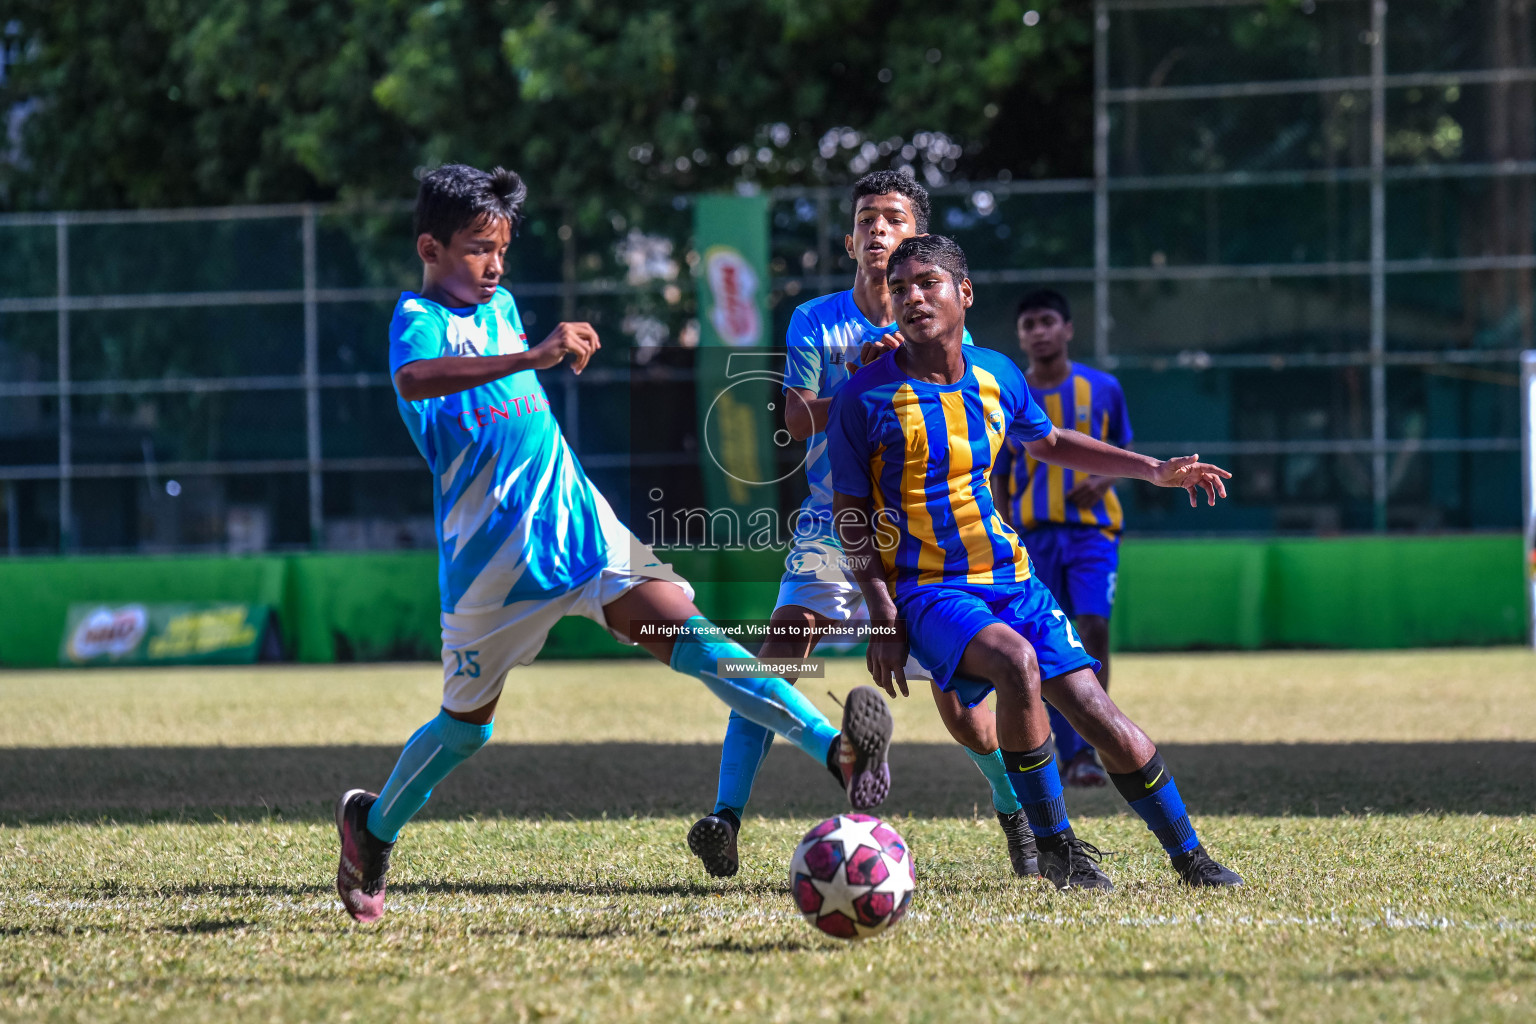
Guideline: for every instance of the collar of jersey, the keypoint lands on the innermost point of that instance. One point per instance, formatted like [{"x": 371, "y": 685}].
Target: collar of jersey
[
  {"x": 453, "y": 310},
  {"x": 969, "y": 376},
  {"x": 1071, "y": 372}
]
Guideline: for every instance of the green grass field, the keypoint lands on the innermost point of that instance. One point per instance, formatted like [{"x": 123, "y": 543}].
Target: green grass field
[{"x": 166, "y": 850}]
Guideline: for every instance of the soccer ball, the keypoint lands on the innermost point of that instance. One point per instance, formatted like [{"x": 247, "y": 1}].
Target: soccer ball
[{"x": 851, "y": 876}]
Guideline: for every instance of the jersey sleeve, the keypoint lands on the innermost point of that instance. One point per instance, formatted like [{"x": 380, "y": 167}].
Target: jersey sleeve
[
  {"x": 414, "y": 334},
  {"x": 1030, "y": 423},
  {"x": 848, "y": 444},
  {"x": 803, "y": 367},
  {"x": 1120, "y": 432}
]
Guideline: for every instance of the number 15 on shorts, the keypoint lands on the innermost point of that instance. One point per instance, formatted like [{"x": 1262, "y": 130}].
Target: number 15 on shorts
[
  {"x": 1061, "y": 617},
  {"x": 466, "y": 665}
]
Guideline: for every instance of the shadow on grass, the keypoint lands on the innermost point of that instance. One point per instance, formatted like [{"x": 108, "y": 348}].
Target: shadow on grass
[{"x": 608, "y": 780}]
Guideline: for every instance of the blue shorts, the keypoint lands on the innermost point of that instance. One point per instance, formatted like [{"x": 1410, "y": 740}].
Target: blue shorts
[
  {"x": 942, "y": 619},
  {"x": 1076, "y": 563}
]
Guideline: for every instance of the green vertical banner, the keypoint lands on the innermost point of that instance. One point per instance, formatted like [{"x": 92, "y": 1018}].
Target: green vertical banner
[{"x": 739, "y": 378}]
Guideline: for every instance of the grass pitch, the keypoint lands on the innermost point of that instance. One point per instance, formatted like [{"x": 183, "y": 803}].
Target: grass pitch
[{"x": 166, "y": 850}]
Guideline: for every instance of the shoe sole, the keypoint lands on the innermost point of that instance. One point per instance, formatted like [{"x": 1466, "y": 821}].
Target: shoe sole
[
  {"x": 1105, "y": 886},
  {"x": 1202, "y": 884},
  {"x": 710, "y": 841},
  {"x": 867, "y": 728}
]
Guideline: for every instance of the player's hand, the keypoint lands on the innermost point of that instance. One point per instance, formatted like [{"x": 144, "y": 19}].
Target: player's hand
[
  {"x": 1089, "y": 491},
  {"x": 872, "y": 350},
  {"x": 577, "y": 340},
  {"x": 1188, "y": 472},
  {"x": 887, "y": 660}
]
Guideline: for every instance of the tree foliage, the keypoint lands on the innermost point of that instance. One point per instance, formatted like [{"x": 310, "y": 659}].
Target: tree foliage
[{"x": 601, "y": 105}]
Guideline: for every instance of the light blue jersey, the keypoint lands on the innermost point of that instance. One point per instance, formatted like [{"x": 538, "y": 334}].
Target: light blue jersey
[
  {"x": 823, "y": 343},
  {"x": 516, "y": 515}
]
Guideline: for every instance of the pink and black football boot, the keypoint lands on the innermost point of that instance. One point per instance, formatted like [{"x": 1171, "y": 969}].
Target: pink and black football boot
[
  {"x": 862, "y": 747},
  {"x": 364, "y": 858}
]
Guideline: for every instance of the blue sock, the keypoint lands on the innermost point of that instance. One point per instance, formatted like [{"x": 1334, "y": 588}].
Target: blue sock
[
  {"x": 438, "y": 748},
  {"x": 1004, "y": 800},
  {"x": 769, "y": 702},
  {"x": 1068, "y": 743},
  {"x": 1152, "y": 794},
  {"x": 746, "y": 744},
  {"x": 1038, "y": 785}
]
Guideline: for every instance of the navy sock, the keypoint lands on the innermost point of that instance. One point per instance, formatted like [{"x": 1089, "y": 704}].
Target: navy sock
[
  {"x": 1151, "y": 792},
  {"x": 1037, "y": 784}
]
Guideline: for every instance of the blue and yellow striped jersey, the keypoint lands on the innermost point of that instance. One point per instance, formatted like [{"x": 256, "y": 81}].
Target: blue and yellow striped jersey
[
  {"x": 924, "y": 453},
  {"x": 1090, "y": 402}
]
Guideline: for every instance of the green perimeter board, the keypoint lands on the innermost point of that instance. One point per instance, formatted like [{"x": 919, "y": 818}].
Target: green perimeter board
[
  {"x": 1173, "y": 595},
  {"x": 35, "y": 593}
]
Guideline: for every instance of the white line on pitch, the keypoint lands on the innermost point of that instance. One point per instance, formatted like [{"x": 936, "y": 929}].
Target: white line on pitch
[{"x": 1388, "y": 919}]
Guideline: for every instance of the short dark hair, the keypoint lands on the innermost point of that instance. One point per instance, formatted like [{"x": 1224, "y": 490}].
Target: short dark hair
[
  {"x": 944, "y": 253},
  {"x": 884, "y": 183},
  {"x": 456, "y": 196},
  {"x": 1044, "y": 298}
]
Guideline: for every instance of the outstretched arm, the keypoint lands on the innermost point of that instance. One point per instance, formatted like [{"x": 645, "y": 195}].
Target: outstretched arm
[
  {"x": 1074, "y": 450},
  {"x": 887, "y": 654},
  {"x": 447, "y": 375}
]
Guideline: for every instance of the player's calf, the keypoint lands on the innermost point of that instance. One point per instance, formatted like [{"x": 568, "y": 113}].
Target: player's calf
[
  {"x": 1138, "y": 772},
  {"x": 1151, "y": 792}
]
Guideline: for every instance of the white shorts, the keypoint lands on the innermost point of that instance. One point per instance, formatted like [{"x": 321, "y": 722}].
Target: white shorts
[
  {"x": 480, "y": 648},
  {"x": 815, "y": 579}
]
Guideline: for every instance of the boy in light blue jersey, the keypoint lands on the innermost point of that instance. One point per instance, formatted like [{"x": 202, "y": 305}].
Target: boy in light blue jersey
[
  {"x": 913, "y": 440},
  {"x": 828, "y": 339},
  {"x": 1069, "y": 522},
  {"x": 525, "y": 539}
]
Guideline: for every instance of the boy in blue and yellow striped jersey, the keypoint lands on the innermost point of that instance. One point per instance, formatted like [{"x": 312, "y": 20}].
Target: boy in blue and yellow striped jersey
[
  {"x": 1069, "y": 522},
  {"x": 913, "y": 439}
]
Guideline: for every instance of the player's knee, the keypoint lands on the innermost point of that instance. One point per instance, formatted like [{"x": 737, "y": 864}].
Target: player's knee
[
  {"x": 1020, "y": 675},
  {"x": 974, "y": 732}
]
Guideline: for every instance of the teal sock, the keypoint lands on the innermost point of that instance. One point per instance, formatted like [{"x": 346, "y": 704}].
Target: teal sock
[
  {"x": 768, "y": 701},
  {"x": 436, "y": 749},
  {"x": 746, "y": 744},
  {"x": 1004, "y": 800}
]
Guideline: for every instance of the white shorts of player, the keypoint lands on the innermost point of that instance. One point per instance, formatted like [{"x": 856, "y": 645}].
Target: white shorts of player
[
  {"x": 480, "y": 648},
  {"x": 816, "y": 579}
]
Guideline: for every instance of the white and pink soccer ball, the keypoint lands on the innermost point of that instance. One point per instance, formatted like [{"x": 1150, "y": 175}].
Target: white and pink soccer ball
[{"x": 851, "y": 876}]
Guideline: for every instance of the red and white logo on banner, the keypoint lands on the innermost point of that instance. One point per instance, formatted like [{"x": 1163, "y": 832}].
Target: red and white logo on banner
[
  {"x": 733, "y": 285},
  {"x": 110, "y": 631}
]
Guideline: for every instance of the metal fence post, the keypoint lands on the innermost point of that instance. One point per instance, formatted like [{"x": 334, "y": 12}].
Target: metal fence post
[
  {"x": 312, "y": 382},
  {"x": 1101, "y": 316},
  {"x": 1528, "y": 480},
  {"x": 1378, "y": 264},
  {"x": 66, "y": 454}
]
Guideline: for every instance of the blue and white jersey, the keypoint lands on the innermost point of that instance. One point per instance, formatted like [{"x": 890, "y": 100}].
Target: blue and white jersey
[
  {"x": 517, "y": 517},
  {"x": 823, "y": 342}
]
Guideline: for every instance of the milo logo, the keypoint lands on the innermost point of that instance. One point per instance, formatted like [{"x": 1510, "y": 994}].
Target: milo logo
[
  {"x": 733, "y": 287},
  {"x": 108, "y": 631}
]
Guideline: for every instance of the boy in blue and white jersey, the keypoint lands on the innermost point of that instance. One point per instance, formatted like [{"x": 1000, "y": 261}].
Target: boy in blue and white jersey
[
  {"x": 828, "y": 339},
  {"x": 913, "y": 440},
  {"x": 525, "y": 539}
]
